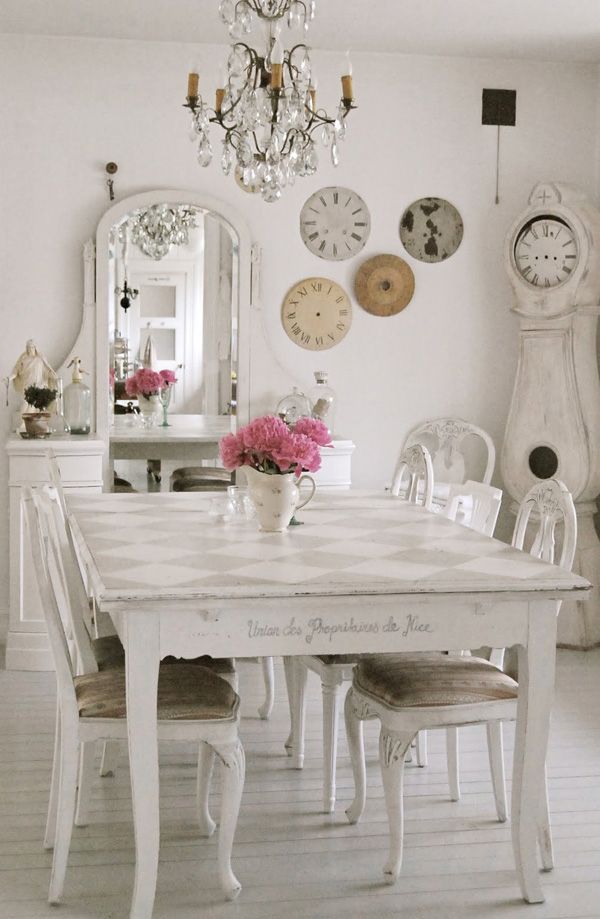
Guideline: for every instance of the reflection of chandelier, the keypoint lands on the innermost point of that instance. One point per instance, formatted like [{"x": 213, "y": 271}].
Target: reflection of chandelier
[
  {"x": 267, "y": 103},
  {"x": 155, "y": 229}
]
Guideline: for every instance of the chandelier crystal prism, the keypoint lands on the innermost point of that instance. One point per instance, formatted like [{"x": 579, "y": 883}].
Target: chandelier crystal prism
[{"x": 267, "y": 102}]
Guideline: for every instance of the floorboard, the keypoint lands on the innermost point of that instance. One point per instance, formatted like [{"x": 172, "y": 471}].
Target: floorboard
[{"x": 292, "y": 860}]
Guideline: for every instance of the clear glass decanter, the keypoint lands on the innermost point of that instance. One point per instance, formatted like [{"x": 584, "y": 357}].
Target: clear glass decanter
[{"x": 323, "y": 401}]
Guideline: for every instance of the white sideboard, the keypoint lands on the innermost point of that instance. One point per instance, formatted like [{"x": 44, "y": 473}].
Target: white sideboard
[
  {"x": 336, "y": 465},
  {"x": 80, "y": 462}
]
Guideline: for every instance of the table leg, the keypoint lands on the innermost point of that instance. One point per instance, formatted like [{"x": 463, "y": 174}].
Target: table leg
[
  {"x": 536, "y": 689},
  {"x": 142, "y": 649}
]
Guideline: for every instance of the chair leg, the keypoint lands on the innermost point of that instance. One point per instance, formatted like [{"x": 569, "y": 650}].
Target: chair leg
[
  {"x": 54, "y": 783},
  {"x": 234, "y": 764},
  {"x": 354, "y": 736},
  {"x": 392, "y": 750},
  {"x": 331, "y": 707},
  {"x": 67, "y": 793},
  {"x": 496, "y": 754},
  {"x": 453, "y": 763},
  {"x": 544, "y": 831},
  {"x": 421, "y": 741},
  {"x": 289, "y": 666},
  {"x": 299, "y": 718},
  {"x": 110, "y": 758},
  {"x": 206, "y": 759},
  {"x": 269, "y": 677},
  {"x": 87, "y": 752}
]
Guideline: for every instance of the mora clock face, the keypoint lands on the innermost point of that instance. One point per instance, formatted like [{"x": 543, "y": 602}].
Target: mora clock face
[
  {"x": 431, "y": 229},
  {"x": 335, "y": 223},
  {"x": 316, "y": 314},
  {"x": 545, "y": 251}
]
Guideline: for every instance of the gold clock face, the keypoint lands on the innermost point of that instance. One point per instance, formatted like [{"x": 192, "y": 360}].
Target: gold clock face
[
  {"x": 316, "y": 314},
  {"x": 545, "y": 251}
]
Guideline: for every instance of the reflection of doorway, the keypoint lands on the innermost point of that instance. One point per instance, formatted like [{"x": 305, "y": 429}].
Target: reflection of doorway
[{"x": 167, "y": 308}]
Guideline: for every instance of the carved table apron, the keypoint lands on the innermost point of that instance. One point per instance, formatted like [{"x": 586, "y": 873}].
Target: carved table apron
[{"x": 366, "y": 572}]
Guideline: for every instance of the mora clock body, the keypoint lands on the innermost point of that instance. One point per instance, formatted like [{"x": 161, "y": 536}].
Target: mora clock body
[{"x": 552, "y": 256}]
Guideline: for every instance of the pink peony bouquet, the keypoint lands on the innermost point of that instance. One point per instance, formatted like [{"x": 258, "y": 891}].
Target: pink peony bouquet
[
  {"x": 146, "y": 382},
  {"x": 269, "y": 445}
]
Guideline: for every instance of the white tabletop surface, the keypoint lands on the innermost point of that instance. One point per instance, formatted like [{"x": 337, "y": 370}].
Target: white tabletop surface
[
  {"x": 171, "y": 546},
  {"x": 187, "y": 429}
]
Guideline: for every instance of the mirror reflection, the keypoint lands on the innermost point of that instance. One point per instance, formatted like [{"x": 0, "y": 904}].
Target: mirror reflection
[{"x": 173, "y": 272}]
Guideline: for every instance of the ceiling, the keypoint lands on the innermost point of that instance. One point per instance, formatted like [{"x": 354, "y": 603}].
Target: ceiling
[{"x": 547, "y": 30}]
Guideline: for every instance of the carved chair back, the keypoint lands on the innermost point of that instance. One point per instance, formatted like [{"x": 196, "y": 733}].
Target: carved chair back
[
  {"x": 547, "y": 505},
  {"x": 478, "y": 504},
  {"x": 446, "y": 440},
  {"x": 414, "y": 468}
]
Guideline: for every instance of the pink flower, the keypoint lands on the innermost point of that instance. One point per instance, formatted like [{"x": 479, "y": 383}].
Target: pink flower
[
  {"x": 267, "y": 444},
  {"x": 144, "y": 382},
  {"x": 314, "y": 429},
  {"x": 168, "y": 376},
  {"x": 232, "y": 451}
]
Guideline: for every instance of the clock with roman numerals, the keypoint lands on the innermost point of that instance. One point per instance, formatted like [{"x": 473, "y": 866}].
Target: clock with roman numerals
[
  {"x": 316, "y": 314},
  {"x": 546, "y": 251},
  {"x": 335, "y": 223}
]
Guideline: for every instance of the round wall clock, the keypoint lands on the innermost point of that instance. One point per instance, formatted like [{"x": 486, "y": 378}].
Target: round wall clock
[
  {"x": 545, "y": 251},
  {"x": 431, "y": 229},
  {"x": 384, "y": 285},
  {"x": 316, "y": 313},
  {"x": 335, "y": 223}
]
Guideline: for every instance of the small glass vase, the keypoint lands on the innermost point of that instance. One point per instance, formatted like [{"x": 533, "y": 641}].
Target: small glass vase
[
  {"x": 149, "y": 410},
  {"x": 165, "y": 400}
]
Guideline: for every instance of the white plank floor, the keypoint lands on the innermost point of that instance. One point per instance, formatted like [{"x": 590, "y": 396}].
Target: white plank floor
[{"x": 292, "y": 860}]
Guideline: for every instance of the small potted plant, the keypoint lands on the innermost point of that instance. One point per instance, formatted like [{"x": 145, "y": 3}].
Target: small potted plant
[{"x": 40, "y": 398}]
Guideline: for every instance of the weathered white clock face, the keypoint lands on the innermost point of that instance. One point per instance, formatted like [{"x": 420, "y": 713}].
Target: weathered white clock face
[
  {"x": 316, "y": 313},
  {"x": 546, "y": 251},
  {"x": 335, "y": 223}
]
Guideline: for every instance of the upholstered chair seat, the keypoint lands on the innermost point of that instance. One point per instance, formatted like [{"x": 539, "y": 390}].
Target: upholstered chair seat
[
  {"x": 402, "y": 681},
  {"x": 338, "y": 658},
  {"x": 110, "y": 654},
  {"x": 184, "y": 694}
]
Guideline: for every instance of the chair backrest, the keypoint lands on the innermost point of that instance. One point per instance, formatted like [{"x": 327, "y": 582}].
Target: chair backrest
[
  {"x": 56, "y": 480},
  {"x": 480, "y": 505},
  {"x": 445, "y": 439},
  {"x": 551, "y": 503},
  {"x": 414, "y": 465},
  {"x": 44, "y": 564}
]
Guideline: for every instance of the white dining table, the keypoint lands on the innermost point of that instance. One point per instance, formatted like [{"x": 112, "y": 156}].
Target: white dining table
[{"x": 365, "y": 572}]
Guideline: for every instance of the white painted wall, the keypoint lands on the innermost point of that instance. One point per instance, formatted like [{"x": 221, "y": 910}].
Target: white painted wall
[{"x": 71, "y": 105}]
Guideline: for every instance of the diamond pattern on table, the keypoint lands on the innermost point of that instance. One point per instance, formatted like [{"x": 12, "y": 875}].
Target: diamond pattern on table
[{"x": 152, "y": 545}]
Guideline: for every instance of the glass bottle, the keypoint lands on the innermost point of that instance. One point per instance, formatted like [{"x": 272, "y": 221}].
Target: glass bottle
[
  {"x": 293, "y": 407},
  {"x": 78, "y": 401},
  {"x": 322, "y": 399},
  {"x": 58, "y": 423}
]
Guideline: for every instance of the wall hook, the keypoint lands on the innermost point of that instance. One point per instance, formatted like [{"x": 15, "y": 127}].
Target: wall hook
[{"x": 111, "y": 169}]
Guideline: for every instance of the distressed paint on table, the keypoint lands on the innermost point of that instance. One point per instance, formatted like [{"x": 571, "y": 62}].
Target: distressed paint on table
[{"x": 365, "y": 573}]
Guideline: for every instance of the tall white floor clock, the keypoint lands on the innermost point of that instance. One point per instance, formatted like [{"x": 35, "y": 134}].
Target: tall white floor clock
[{"x": 552, "y": 256}]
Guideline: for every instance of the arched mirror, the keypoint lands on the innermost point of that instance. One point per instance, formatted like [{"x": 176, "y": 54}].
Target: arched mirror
[{"x": 173, "y": 292}]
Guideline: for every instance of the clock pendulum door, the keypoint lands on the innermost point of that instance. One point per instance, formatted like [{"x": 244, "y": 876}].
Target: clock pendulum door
[{"x": 553, "y": 427}]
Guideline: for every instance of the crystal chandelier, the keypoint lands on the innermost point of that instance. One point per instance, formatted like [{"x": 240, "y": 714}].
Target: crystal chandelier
[
  {"x": 155, "y": 229},
  {"x": 267, "y": 102}
]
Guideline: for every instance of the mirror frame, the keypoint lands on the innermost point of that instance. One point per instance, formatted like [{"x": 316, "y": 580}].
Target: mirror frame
[{"x": 237, "y": 227}]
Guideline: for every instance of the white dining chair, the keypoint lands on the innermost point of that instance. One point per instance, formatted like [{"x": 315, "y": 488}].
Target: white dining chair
[
  {"x": 410, "y": 692},
  {"x": 413, "y": 479},
  {"x": 91, "y": 654},
  {"x": 458, "y": 450},
  {"x": 194, "y": 704}
]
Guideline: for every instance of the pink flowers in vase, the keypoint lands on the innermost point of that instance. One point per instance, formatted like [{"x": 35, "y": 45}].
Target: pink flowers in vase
[
  {"x": 146, "y": 382},
  {"x": 269, "y": 445}
]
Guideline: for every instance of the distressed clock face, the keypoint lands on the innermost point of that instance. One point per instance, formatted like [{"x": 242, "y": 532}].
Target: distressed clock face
[
  {"x": 316, "y": 313},
  {"x": 335, "y": 223},
  {"x": 545, "y": 251},
  {"x": 431, "y": 229}
]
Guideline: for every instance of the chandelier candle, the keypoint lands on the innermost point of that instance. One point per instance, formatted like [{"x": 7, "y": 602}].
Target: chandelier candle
[{"x": 267, "y": 105}]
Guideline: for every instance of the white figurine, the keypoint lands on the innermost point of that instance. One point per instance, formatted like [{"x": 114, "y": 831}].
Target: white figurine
[{"x": 32, "y": 369}]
